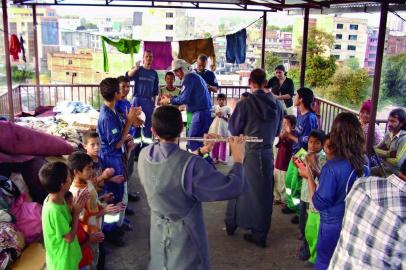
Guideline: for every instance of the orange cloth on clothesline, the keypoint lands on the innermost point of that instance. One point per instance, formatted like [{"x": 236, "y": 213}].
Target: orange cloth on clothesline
[{"x": 189, "y": 50}]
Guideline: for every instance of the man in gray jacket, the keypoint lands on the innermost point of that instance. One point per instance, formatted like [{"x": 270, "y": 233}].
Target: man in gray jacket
[{"x": 176, "y": 183}]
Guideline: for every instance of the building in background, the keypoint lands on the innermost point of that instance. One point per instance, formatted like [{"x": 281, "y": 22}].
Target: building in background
[
  {"x": 370, "y": 52},
  {"x": 166, "y": 25},
  {"x": 396, "y": 43},
  {"x": 350, "y": 36},
  {"x": 297, "y": 34},
  {"x": 21, "y": 24}
]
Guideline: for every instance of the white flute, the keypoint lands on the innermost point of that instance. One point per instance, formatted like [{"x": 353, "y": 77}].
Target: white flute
[{"x": 223, "y": 139}]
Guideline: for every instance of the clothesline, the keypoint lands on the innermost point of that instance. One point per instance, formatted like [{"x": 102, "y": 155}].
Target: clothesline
[{"x": 98, "y": 35}]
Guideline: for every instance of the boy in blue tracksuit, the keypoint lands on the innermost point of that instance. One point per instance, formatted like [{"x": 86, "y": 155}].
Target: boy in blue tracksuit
[
  {"x": 146, "y": 88},
  {"x": 113, "y": 135}
]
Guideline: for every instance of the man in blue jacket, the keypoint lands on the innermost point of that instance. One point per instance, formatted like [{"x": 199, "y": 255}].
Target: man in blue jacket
[{"x": 196, "y": 96}]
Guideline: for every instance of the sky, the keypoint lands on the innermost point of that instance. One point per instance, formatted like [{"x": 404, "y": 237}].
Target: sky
[{"x": 275, "y": 18}]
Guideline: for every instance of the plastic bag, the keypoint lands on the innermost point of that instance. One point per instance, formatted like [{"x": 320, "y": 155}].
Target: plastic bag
[{"x": 28, "y": 218}]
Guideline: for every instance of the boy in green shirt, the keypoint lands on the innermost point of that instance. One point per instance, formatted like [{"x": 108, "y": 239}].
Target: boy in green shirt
[{"x": 59, "y": 225}]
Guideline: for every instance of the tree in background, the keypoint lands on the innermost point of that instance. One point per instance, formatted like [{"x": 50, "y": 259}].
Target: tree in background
[
  {"x": 394, "y": 79},
  {"x": 348, "y": 87},
  {"x": 271, "y": 61},
  {"x": 318, "y": 42},
  {"x": 319, "y": 70},
  {"x": 352, "y": 63},
  {"x": 319, "y": 67}
]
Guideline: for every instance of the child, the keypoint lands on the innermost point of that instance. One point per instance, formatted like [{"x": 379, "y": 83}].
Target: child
[
  {"x": 85, "y": 240},
  {"x": 59, "y": 224},
  {"x": 313, "y": 216},
  {"x": 314, "y": 160},
  {"x": 178, "y": 239},
  {"x": 283, "y": 157},
  {"x": 80, "y": 166},
  {"x": 113, "y": 136},
  {"x": 169, "y": 89},
  {"x": 219, "y": 126},
  {"x": 306, "y": 122},
  {"x": 91, "y": 144}
]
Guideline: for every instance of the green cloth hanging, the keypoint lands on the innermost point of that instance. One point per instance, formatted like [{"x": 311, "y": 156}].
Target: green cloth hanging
[{"x": 127, "y": 46}]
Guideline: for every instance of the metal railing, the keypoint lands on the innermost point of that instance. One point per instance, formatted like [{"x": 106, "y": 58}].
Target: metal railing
[{"x": 51, "y": 94}]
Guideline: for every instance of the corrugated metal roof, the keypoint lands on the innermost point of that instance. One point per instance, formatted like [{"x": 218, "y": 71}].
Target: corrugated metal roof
[{"x": 257, "y": 5}]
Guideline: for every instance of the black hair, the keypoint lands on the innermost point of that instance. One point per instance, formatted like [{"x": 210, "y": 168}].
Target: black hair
[
  {"x": 167, "y": 122},
  {"x": 108, "y": 88},
  {"x": 169, "y": 73},
  {"x": 318, "y": 134},
  {"x": 202, "y": 57},
  {"x": 292, "y": 119},
  {"x": 258, "y": 76},
  {"x": 399, "y": 114},
  {"x": 403, "y": 167},
  {"x": 307, "y": 96},
  {"x": 245, "y": 94},
  {"x": 78, "y": 161},
  {"x": 123, "y": 79},
  {"x": 53, "y": 175},
  {"x": 327, "y": 137},
  {"x": 68, "y": 195},
  {"x": 89, "y": 135},
  {"x": 281, "y": 68},
  {"x": 221, "y": 96}
]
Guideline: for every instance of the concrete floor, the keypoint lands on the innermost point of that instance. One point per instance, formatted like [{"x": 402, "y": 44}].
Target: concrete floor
[{"x": 226, "y": 252}]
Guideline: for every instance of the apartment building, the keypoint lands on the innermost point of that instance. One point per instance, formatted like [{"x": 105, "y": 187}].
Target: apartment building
[{"x": 350, "y": 36}]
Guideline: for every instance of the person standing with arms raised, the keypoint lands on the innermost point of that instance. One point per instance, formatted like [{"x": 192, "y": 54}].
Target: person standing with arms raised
[
  {"x": 146, "y": 88},
  {"x": 196, "y": 96},
  {"x": 260, "y": 115}
]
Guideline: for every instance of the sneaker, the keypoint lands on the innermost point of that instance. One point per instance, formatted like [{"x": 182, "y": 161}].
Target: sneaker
[
  {"x": 308, "y": 264},
  {"x": 295, "y": 220},
  {"x": 133, "y": 197},
  {"x": 250, "y": 238},
  {"x": 286, "y": 210},
  {"x": 230, "y": 229},
  {"x": 129, "y": 212},
  {"x": 114, "y": 238}
]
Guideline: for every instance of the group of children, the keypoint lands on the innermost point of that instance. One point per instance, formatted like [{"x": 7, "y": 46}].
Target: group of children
[
  {"x": 88, "y": 195},
  {"x": 287, "y": 166}
]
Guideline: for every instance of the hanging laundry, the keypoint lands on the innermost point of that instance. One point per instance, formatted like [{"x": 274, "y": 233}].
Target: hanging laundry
[
  {"x": 189, "y": 50},
  {"x": 236, "y": 47},
  {"x": 14, "y": 47},
  {"x": 162, "y": 52},
  {"x": 127, "y": 46},
  {"x": 22, "y": 48}
]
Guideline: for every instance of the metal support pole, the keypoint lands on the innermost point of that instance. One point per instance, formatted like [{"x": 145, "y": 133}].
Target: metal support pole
[
  {"x": 263, "y": 41},
  {"x": 304, "y": 47},
  {"x": 377, "y": 73},
  {"x": 8, "y": 64},
  {"x": 36, "y": 63}
]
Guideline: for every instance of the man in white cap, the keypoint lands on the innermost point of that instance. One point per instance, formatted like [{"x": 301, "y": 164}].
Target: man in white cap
[{"x": 196, "y": 96}]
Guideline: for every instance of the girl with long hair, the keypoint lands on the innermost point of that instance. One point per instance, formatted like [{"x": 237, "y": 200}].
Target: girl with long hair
[{"x": 336, "y": 179}]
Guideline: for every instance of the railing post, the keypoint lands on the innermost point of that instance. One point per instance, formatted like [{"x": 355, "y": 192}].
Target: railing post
[
  {"x": 263, "y": 40},
  {"x": 377, "y": 74},
  {"x": 304, "y": 47},
  {"x": 8, "y": 64},
  {"x": 37, "y": 89}
]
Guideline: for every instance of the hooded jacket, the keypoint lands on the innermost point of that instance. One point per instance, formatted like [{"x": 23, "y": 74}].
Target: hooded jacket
[{"x": 260, "y": 115}]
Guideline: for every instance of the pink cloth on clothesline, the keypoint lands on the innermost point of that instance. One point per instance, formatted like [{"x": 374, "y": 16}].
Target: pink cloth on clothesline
[{"x": 162, "y": 52}]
